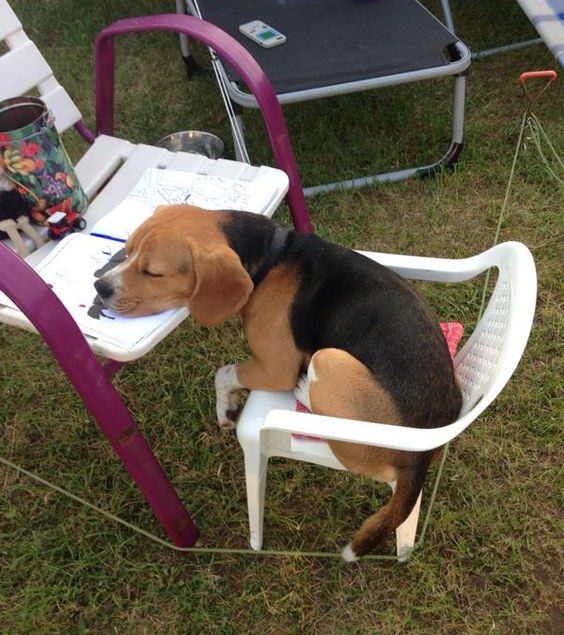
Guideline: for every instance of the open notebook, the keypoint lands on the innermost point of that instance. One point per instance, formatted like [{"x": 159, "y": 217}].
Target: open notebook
[
  {"x": 73, "y": 266},
  {"x": 167, "y": 187}
]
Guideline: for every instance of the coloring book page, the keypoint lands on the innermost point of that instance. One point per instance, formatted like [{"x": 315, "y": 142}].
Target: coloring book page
[
  {"x": 168, "y": 187},
  {"x": 71, "y": 270}
]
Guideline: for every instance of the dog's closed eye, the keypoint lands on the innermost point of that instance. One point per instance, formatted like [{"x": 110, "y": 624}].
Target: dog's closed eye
[{"x": 152, "y": 274}]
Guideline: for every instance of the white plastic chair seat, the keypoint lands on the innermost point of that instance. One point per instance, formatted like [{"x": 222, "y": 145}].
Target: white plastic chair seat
[
  {"x": 269, "y": 423},
  {"x": 259, "y": 405}
]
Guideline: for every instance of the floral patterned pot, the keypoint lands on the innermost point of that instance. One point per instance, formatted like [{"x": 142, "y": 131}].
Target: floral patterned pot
[{"x": 33, "y": 157}]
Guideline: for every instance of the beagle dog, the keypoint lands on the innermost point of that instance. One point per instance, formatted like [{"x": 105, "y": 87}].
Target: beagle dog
[{"x": 354, "y": 337}]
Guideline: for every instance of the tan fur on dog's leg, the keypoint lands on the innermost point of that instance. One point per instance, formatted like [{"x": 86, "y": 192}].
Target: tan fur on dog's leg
[
  {"x": 276, "y": 362},
  {"x": 256, "y": 374},
  {"x": 344, "y": 387},
  {"x": 341, "y": 386},
  {"x": 274, "y": 371}
]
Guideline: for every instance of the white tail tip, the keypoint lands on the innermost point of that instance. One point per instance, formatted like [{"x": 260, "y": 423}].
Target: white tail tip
[{"x": 348, "y": 554}]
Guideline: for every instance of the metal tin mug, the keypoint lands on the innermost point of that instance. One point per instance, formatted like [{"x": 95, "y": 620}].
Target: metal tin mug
[{"x": 33, "y": 157}]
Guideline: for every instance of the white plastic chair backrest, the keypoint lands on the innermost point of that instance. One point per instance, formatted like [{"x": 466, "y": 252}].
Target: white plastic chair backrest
[
  {"x": 23, "y": 68},
  {"x": 491, "y": 354},
  {"x": 483, "y": 366}
]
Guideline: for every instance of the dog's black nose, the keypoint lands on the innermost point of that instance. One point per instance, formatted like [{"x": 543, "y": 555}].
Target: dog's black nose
[{"x": 104, "y": 288}]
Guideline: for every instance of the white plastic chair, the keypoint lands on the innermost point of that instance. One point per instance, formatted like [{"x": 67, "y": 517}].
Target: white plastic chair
[{"x": 269, "y": 422}]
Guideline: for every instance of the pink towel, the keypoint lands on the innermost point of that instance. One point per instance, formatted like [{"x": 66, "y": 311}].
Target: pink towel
[{"x": 452, "y": 331}]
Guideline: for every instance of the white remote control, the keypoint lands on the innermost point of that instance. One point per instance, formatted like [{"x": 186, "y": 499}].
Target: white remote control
[{"x": 262, "y": 34}]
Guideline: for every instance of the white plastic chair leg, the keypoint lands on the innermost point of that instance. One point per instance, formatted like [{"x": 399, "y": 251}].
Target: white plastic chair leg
[
  {"x": 255, "y": 475},
  {"x": 405, "y": 533}
]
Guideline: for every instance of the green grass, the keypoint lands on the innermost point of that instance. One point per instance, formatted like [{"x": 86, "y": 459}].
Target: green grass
[{"x": 492, "y": 559}]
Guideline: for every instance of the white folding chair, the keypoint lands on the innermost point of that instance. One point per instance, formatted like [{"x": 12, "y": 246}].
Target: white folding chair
[
  {"x": 107, "y": 172},
  {"x": 111, "y": 166},
  {"x": 269, "y": 422}
]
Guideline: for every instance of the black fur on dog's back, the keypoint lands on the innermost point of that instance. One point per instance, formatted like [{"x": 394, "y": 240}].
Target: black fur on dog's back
[{"x": 350, "y": 302}]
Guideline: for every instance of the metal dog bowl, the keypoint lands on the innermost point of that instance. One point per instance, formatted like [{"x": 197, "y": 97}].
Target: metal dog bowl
[{"x": 194, "y": 142}]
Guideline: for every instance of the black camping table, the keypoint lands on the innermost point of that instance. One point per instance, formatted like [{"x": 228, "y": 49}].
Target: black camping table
[{"x": 341, "y": 46}]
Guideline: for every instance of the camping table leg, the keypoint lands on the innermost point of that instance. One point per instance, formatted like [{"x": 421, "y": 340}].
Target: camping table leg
[{"x": 93, "y": 383}]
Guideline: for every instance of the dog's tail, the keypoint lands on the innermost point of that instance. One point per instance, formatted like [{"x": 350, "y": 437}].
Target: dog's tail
[{"x": 377, "y": 527}]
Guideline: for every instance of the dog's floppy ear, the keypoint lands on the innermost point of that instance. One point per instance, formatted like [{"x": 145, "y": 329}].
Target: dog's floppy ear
[{"x": 222, "y": 285}]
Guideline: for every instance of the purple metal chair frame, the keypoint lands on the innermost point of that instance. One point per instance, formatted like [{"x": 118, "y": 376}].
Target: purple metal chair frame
[
  {"x": 90, "y": 378},
  {"x": 93, "y": 383},
  {"x": 239, "y": 58}
]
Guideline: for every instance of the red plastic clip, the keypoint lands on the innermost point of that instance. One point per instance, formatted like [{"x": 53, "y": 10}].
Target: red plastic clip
[{"x": 550, "y": 76}]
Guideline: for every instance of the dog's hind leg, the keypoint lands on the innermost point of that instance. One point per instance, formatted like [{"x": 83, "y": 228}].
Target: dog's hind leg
[{"x": 341, "y": 386}]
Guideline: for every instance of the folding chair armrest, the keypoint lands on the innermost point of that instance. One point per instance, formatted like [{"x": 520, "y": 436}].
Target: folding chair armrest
[
  {"x": 446, "y": 269},
  {"x": 364, "y": 432},
  {"x": 237, "y": 56}
]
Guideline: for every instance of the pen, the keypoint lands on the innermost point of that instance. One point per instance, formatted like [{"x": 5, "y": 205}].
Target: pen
[{"x": 119, "y": 240}]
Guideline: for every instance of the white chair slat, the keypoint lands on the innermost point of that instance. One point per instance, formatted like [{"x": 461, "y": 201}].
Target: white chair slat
[
  {"x": 184, "y": 162},
  {"x": 229, "y": 169},
  {"x": 101, "y": 161},
  {"x": 62, "y": 106},
  {"x": 140, "y": 158},
  {"x": 9, "y": 22},
  {"x": 250, "y": 172},
  {"x": 21, "y": 70}
]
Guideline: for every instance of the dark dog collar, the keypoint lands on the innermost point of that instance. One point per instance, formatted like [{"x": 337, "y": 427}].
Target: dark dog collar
[{"x": 276, "y": 245}]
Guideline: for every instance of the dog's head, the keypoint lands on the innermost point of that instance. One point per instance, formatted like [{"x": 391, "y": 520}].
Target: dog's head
[{"x": 178, "y": 257}]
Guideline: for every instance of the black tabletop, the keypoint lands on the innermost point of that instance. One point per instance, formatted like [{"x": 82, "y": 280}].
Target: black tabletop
[{"x": 336, "y": 41}]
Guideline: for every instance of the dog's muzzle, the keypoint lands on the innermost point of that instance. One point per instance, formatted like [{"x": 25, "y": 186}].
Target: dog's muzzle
[{"x": 104, "y": 288}]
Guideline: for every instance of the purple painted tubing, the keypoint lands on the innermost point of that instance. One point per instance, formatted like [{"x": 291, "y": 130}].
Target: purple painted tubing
[
  {"x": 85, "y": 131},
  {"x": 61, "y": 333},
  {"x": 111, "y": 367},
  {"x": 239, "y": 58}
]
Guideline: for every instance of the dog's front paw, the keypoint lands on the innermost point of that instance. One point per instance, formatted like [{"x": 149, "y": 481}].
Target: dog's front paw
[
  {"x": 227, "y": 409},
  {"x": 227, "y": 403},
  {"x": 301, "y": 391},
  {"x": 227, "y": 412},
  {"x": 226, "y": 424}
]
